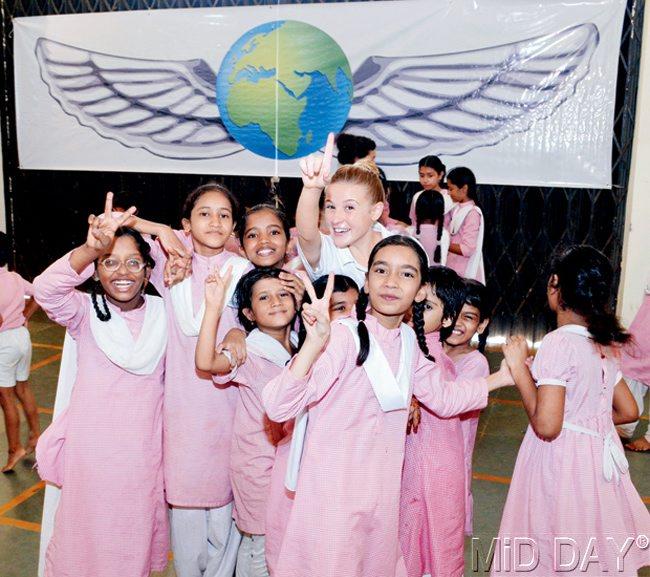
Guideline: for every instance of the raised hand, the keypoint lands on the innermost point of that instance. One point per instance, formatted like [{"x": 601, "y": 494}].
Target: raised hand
[
  {"x": 316, "y": 170},
  {"x": 316, "y": 315},
  {"x": 216, "y": 286},
  {"x": 101, "y": 230},
  {"x": 177, "y": 269},
  {"x": 172, "y": 245},
  {"x": 294, "y": 285},
  {"x": 515, "y": 351}
]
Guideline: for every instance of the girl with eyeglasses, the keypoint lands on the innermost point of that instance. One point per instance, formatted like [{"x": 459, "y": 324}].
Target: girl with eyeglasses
[{"x": 104, "y": 450}]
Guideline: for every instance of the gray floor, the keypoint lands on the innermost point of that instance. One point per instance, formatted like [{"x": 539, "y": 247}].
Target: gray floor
[{"x": 501, "y": 429}]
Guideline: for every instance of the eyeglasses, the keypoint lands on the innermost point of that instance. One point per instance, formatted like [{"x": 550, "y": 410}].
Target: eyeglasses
[{"x": 131, "y": 264}]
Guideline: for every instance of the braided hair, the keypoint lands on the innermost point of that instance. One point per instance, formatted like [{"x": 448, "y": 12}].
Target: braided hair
[
  {"x": 362, "y": 302},
  {"x": 584, "y": 279},
  {"x": 430, "y": 207},
  {"x": 96, "y": 289},
  {"x": 478, "y": 296}
]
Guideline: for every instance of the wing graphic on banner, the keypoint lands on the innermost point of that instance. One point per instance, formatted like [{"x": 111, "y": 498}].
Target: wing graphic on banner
[
  {"x": 164, "y": 106},
  {"x": 449, "y": 104},
  {"x": 410, "y": 106}
]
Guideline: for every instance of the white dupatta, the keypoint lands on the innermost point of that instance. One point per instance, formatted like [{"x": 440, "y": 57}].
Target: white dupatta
[
  {"x": 181, "y": 297},
  {"x": 140, "y": 357},
  {"x": 392, "y": 391},
  {"x": 475, "y": 269}
]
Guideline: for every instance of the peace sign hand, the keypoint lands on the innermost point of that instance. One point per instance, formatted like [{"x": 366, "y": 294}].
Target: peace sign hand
[
  {"x": 216, "y": 286},
  {"x": 101, "y": 230},
  {"x": 315, "y": 169},
  {"x": 316, "y": 315}
]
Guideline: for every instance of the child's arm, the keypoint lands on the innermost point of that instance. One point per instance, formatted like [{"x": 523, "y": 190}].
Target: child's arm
[
  {"x": 314, "y": 369},
  {"x": 544, "y": 404},
  {"x": 449, "y": 399},
  {"x": 315, "y": 176},
  {"x": 54, "y": 289},
  {"x": 205, "y": 356},
  {"x": 624, "y": 410},
  {"x": 165, "y": 234},
  {"x": 468, "y": 235},
  {"x": 31, "y": 306}
]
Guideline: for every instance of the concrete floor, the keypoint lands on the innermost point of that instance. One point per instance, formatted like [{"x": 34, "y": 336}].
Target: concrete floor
[{"x": 500, "y": 432}]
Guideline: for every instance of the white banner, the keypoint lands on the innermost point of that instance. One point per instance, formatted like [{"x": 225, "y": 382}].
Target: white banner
[{"x": 521, "y": 91}]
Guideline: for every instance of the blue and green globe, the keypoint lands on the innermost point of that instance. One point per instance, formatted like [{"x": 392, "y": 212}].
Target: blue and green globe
[{"x": 282, "y": 87}]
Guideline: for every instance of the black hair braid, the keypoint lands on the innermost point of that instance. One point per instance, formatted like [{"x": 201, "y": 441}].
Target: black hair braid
[
  {"x": 418, "y": 325},
  {"x": 104, "y": 316},
  {"x": 437, "y": 254},
  {"x": 482, "y": 339},
  {"x": 362, "y": 329}
]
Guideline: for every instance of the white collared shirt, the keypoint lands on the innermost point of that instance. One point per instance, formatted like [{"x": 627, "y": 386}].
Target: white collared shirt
[{"x": 339, "y": 260}]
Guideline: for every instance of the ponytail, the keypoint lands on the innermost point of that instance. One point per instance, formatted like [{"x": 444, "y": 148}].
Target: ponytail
[
  {"x": 605, "y": 328},
  {"x": 362, "y": 329},
  {"x": 418, "y": 325},
  {"x": 584, "y": 279}
]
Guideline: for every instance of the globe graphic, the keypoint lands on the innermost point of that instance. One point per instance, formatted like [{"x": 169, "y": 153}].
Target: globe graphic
[{"x": 282, "y": 87}]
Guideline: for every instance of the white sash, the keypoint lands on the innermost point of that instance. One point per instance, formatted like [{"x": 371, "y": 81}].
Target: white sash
[
  {"x": 391, "y": 392},
  {"x": 67, "y": 376},
  {"x": 614, "y": 461},
  {"x": 181, "y": 297},
  {"x": 475, "y": 269},
  {"x": 268, "y": 348},
  {"x": 141, "y": 356}
]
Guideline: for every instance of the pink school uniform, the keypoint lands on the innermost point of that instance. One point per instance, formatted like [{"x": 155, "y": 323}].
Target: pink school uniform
[
  {"x": 466, "y": 228},
  {"x": 471, "y": 366},
  {"x": 432, "y": 500},
  {"x": 428, "y": 238},
  {"x": 15, "y": 343},
  {"x": 12, "y": 299},
  {"x": 345, "y": 516},
  {"x": 560, "y": 488},
  {"x": 198, "y": 418},
  {"x": 279, "y": 501},
  {"x": 635, "y": 359},
  {"x": 253, "y": 442},
  {"x": 111, "y": 519}
]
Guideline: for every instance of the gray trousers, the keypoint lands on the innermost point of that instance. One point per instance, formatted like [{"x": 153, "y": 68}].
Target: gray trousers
[{"x": 204, "y": 541}]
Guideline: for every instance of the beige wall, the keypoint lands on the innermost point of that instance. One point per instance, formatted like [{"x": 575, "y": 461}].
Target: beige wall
[{"x": 636, "y": 245}]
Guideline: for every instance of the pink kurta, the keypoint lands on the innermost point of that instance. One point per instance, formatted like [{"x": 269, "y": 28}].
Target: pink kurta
[
  {"x": 345, "y": 516},
  {"x": 112, "y": 518},
  {"x": 432, "y": 501},
  {"x": 198, "y": 417},
  {"x": 253, "y": 448},
  {"x": 558, "y": 487},
  {"x": 471, "y": 366},
  {"x": 466, "y": 237},
  {"x": 12, "y": 299},
  {"x": 279, "y": 502},
  {"x": 635, "y": 360}
]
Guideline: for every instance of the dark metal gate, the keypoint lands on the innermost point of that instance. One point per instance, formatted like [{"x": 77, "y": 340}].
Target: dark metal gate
[{"x": 46, "y": 210}]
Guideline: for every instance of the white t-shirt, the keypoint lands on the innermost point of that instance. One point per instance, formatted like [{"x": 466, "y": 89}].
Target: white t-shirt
[{"x": 339, "y": 260}]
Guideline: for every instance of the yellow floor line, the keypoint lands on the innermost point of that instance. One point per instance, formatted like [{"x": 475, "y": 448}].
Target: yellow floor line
[
  {"x": 45, "y": 411},
  {"x": 45, "y": 361},
  {"x": 21, "y": 498},
  {"x": 18, "y": 524},
  {"x": 47, "y": 346},
  {"x": 491, "y": 478}
]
